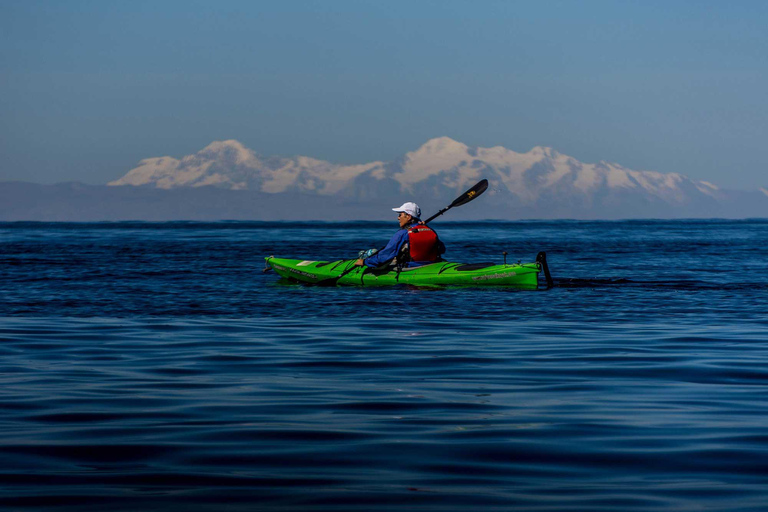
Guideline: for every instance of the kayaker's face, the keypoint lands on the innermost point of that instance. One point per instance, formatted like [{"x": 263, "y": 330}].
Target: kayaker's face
[{"x": 403, "y": 218}]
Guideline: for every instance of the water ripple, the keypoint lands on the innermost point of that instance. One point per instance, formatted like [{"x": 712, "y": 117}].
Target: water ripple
[{"x": 154, "y": 367}]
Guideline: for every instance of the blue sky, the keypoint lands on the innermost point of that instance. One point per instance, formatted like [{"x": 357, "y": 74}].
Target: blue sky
[{"x": 88, "y": 88}]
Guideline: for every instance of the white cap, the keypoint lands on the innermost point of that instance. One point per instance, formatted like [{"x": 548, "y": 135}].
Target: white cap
[{"x": 411, "y": 209}]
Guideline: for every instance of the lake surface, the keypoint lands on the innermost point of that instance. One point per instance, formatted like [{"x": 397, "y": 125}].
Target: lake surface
[{"x": 153, "y": 366}]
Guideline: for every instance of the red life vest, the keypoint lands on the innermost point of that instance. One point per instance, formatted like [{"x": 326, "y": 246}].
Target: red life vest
[{"x": 423, "y": 243}]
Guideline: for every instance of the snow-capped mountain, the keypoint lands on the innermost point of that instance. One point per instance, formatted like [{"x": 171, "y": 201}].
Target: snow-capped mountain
[
  {"x": 227, "y": 181},
  {"x": 228, "y": 164},
  {"x": 439, "y": 169}
]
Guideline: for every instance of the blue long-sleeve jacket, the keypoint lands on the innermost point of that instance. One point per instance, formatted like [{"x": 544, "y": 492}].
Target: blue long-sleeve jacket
[{"x": 391, "y": 250}]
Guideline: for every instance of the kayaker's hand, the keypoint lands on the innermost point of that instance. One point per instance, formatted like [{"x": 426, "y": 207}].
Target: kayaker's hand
[{"x": 359, "y": 263}]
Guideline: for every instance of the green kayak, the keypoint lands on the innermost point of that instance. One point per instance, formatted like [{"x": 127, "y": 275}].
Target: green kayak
[{"x": 442, "y": 273}]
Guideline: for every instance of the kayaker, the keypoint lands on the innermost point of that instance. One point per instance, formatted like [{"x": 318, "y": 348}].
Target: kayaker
[{"x": 423, "y": 245}]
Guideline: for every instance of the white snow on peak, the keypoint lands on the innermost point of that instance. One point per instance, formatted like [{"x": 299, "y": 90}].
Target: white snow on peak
[
  {"x": 149, "y": 170},
  {"x": 301, "y": 171},
  {"x": 441, "y": 145},
  {"x": 242, "y": 154},
  {"x": 434, "y": 156},
  {"x": 707, "y": 188},
  {"x": 545, "y": 151},
  {"x": 587, "y": 177},
  {"x": 318, "y": 175},
  {"x": 511, "y": 168},
  {"x": 618, "y": 177}
]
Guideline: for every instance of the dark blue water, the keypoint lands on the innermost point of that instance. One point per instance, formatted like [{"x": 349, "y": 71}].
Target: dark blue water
[{"x": 155, "y": 367}]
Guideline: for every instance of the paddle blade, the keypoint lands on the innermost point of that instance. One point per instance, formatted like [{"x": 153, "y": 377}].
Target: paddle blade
[{"x": 470, "y": 194}]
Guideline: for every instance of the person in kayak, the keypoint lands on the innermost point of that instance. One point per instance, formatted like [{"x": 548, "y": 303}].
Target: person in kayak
[{"x": 414, "y": 240}]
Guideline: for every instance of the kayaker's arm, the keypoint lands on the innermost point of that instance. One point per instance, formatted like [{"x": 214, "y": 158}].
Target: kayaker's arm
[{"x": 389, "y": 251}]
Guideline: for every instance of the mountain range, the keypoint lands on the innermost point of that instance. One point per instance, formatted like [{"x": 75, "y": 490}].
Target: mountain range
[{"x": 227, "y": 180}]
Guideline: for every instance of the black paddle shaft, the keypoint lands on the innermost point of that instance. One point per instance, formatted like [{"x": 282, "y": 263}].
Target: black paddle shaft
[{"x": 464, "y": 198}]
